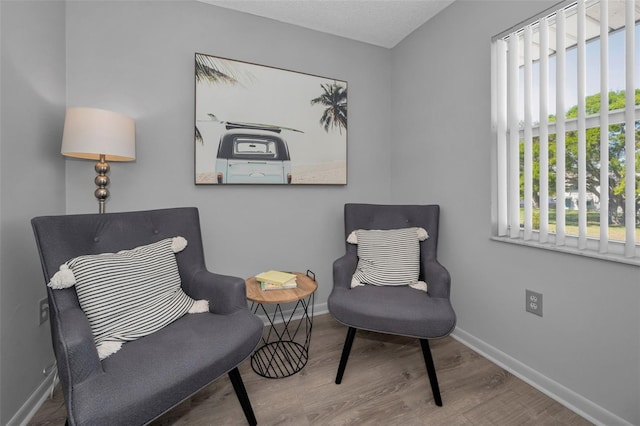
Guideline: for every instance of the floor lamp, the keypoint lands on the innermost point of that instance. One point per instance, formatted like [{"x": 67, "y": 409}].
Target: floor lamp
[{"x": 97, "y": 134}]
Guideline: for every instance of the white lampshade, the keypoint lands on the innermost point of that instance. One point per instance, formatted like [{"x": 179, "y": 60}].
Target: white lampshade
[{"x": 90, "y": 132}]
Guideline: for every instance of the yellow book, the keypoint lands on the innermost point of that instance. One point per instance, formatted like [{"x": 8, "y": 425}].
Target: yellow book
[
  {"x": 276, "y": 278},
  {"x": 268, "y": 286}
]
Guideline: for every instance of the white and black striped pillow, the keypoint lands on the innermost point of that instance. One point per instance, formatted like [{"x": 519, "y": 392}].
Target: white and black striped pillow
[
  {"x": 388, "y": 257},
  {"x": 129, "y": 294}
]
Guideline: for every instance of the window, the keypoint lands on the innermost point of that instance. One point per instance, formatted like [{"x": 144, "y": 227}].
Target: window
[
  {"x": 566, "y": 97},
  {"x": 250, "y": 146}
]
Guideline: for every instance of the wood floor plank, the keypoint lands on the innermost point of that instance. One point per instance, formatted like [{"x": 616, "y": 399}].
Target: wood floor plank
[{"x": 385, "y": 383}]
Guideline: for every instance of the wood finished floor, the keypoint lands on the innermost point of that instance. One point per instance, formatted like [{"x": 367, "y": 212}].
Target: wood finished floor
[{"x": 385, "y": 383}]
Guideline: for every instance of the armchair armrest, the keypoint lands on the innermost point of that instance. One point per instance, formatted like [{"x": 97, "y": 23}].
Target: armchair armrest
[
  {"x": 226, "y": 294},
  {"x": 76, "y": 353},
  {"x": 437, "y": 278},
  {"x": 343, "y": 269}
]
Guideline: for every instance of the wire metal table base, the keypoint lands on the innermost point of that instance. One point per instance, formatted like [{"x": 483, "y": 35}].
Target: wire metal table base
[{"x": 286, "y": 341}]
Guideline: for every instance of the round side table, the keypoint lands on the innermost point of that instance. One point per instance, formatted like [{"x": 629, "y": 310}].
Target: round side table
[{"x": 285, "y": 342}]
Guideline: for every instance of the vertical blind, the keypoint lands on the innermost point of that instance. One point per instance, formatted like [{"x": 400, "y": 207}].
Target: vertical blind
[{"x": 566, "y": 160}]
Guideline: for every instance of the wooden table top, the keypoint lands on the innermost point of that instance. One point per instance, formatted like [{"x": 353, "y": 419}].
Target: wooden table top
[{"x": 306, "y": 286}]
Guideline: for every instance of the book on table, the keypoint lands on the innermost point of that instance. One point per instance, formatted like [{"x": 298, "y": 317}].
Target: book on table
[{"x": 276, "y": 280}]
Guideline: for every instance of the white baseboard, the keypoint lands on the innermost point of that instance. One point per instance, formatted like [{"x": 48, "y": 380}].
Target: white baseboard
[
  {"x": 35, "y": 401},
  {"x": 321, "y": 309},
  {"x": 565, "y": 396}
]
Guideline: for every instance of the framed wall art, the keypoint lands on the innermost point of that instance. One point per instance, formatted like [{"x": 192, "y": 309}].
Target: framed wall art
[{"x": 257, "y": 124}]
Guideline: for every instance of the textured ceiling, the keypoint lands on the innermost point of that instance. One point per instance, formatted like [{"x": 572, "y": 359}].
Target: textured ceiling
[{"x": 380, "y": 22}]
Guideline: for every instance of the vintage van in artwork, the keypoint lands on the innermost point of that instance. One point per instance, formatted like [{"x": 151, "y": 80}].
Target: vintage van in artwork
[{"x": 250, "y": 153}]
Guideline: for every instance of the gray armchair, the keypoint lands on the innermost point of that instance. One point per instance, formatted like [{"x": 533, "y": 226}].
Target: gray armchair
[
  {"x": 398, "y": 310},
  {"x": 150, "y": 375}
]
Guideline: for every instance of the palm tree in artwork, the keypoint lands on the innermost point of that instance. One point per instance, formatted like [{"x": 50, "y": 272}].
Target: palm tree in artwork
[
  {"x": 334, "y": 98},
  {"x": 209, "y": 70}
]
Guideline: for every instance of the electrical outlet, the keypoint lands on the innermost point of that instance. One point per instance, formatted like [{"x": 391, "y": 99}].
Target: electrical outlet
[
  {"x": 534, "y": 302},
  {"x": 43, "y": 310}
]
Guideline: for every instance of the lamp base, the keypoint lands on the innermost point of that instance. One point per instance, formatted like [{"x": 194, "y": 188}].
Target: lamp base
[{"x": 102, "y": 180}]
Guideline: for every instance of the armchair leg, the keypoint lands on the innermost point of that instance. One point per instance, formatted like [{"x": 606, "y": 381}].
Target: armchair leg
[
  {"x": 345, "y": 354},
  {"x": 431, "y": 370},
  {"x": 241, "y": 393}
]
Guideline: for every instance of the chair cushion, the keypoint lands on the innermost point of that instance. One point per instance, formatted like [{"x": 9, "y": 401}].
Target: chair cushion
[
  {"x": 154, "y": 373},
  {"x": 129, "y": 294},
  {"x": 395, "y": 310},
  {"x": 389, "y": 257}
]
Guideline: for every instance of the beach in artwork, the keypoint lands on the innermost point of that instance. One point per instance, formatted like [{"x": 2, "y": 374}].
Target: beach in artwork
[
  {"x": 315, "y": 173},
  {"x": 325, "y": 173}
]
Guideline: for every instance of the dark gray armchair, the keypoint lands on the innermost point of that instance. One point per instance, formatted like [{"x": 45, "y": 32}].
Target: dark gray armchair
[
  {"x": 151, "y": 375},
  {"x": 398, "y": 310}
]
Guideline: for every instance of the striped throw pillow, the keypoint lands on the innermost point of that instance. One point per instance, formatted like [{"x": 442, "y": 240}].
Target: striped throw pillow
[
  {"x": 388, "y": 257},
  {"x": 129, "y": 294}
]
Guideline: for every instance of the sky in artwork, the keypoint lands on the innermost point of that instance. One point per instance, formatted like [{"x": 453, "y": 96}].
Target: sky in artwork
[{"x": 270, "y": 96}]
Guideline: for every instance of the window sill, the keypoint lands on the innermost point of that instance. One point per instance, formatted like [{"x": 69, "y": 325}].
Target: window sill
[{"x": 611, "y": 257}]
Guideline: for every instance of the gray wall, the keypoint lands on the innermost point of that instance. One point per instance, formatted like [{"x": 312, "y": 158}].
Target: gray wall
[
  {"x": 430, "y": 95},
  {"x": 31, "y": 183},
  {"x": 137, "y": 58},
  {"x": 586, "y": 347}
]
